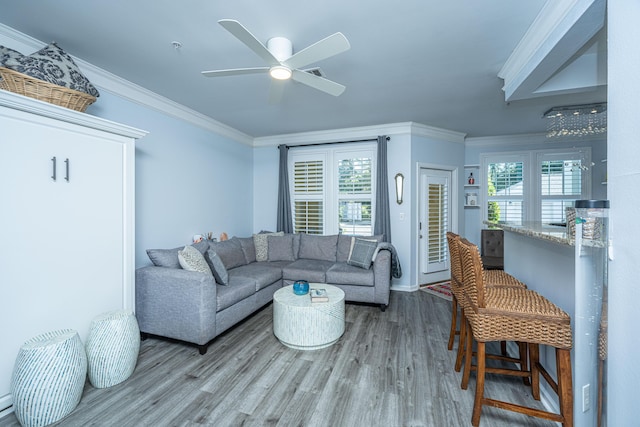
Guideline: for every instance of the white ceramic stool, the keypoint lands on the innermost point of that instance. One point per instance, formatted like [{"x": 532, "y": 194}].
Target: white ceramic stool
[
  {"x": 112, "y": 348},
  {"x": 48, "y": 377}
]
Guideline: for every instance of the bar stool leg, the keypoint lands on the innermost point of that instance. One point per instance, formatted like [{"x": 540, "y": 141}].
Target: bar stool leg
[
  {"x": 461, "y": 341},
  {"x": 565, "y": 387},
  {"x": 454, "y": 322},
  {"x": 480, "y": 371},
  {"x": 468, "y": 355},
  {"x": 534, "y": 360}
]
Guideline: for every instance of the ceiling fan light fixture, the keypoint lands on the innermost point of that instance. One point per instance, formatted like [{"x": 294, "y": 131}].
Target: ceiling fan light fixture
[{"x": 280, "y": 72}]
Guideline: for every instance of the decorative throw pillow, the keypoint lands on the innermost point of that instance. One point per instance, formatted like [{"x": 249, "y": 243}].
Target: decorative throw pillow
[
  {"x": 362, "y": 251},
  {"x": 8, "y": 54},
  {"x": 53, "y": 65},
  {"x": 322, "y": 248},
  {"x": 248, "y": 248},
  {"x": 262, "y": 245},
  {"x": 164, "y": 257},
  {"x": 191, "y": 259},
  {"x": 230, "y": 252},
  {"x": 217, "y": 267},
  {"x": 280, "y": 248}
]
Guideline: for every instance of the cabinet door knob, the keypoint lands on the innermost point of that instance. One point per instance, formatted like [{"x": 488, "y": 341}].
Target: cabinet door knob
[
  {"x": 66, "y": 162},
  {"x": 53, "y": 165}
]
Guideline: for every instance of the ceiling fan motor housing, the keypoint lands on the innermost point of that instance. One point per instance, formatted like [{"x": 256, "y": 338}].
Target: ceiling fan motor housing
[{"x": 280, "y": 47}]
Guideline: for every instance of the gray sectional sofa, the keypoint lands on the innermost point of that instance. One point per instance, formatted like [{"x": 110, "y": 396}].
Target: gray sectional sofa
[{"x": 243, "y": 274}]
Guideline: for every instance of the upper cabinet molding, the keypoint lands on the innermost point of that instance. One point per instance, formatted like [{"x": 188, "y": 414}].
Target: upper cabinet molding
[{"x": 560, "y": 31}]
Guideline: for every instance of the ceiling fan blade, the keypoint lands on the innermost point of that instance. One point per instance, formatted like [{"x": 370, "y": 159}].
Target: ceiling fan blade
[
  {"x": 234, "y": 72},
  {"x": 276, "y": 89},
  {"x": 325, "y": 48},
  {"x": 242, "y": 34},
  {"x": 320, "y": 83}
]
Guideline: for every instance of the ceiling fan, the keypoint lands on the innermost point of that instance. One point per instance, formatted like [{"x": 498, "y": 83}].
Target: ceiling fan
[{"x": 282, "y": 64}]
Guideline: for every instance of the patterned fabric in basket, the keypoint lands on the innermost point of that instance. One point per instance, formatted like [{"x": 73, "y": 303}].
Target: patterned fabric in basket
[{"x": 51, "y": 64}]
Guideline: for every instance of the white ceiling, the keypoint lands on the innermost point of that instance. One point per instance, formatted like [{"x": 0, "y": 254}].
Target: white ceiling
[{"x": 432, "y": 62}]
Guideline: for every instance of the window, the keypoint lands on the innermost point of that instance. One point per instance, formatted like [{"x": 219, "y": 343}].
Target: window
[
  {"x": 561, "y": 183},
  {"x": 518, "y": 192},
  {"x": 505, "y": 190},
  {"x": 333, "y": 189}
]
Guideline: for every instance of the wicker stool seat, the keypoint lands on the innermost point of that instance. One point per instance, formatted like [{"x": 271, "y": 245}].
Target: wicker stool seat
[
  {"x": 493, "y": 278},
  {"x": 514, "y": 314}
]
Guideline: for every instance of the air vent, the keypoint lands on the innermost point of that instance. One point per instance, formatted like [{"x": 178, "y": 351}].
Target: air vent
[{"x": 315, "y": 71}]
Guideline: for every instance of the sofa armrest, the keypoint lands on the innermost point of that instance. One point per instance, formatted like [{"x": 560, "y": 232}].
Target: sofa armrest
[
  {"x": 382, "y": 276},
  {"x": 176, "y": 303}
]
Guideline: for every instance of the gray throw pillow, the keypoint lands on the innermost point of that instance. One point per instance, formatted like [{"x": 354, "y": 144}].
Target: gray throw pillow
[
  {"x": 217, "y": 267},
  {"x": 164, "y": 257},
  {"x": 248, "y": 248},
  {"x": 280, "y": 248},
  {"x": 53, "y": 65},
  {"x": 262, "y": 245},
  {"x": 362, "y": 251},
  {"x": 191, "y": 259},
  {"x": 322, "y": 248},
  {"x": 230, "y": 252}
]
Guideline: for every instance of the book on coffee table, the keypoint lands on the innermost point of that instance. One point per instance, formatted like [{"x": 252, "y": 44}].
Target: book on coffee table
[{"x": 318, "y": 295}]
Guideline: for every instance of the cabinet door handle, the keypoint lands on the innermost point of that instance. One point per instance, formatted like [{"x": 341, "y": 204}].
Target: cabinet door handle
[
  {"x": 66, "y": 162},
  {"x": 53, "y": 164}
]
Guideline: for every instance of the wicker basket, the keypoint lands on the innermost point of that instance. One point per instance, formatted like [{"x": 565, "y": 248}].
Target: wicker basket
[{"x": 44, "y": 91}]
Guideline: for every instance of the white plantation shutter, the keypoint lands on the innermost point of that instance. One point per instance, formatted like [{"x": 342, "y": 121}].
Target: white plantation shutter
[
  {"x": 561, "y": 183},
  {"x": 308, "y": 196},
  {"x": 332, "y": 189},
  {"x": 437, "y": 227}
]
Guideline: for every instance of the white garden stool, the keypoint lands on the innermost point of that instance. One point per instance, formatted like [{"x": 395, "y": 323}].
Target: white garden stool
[
  {"x": 112, "y": 348},
  {"x": 48, "y": 377}
]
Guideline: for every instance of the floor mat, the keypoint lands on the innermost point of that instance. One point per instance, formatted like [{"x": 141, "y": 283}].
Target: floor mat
[{"x": 442, "y": 290}]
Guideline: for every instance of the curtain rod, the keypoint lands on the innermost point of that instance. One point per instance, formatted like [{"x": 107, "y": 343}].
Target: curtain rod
[{"x": 336, "y": 142}]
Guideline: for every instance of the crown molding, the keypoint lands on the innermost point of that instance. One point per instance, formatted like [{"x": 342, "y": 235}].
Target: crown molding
[
  {"x": 558, "y": 32},
  {"x": 363, "y": 132},
  {"x": 120, "y": 87}
]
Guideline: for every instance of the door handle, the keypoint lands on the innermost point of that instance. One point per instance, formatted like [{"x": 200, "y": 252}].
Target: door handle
[
  {"x": 66, "y": 162},
  {"x": 53, "y": 165}
]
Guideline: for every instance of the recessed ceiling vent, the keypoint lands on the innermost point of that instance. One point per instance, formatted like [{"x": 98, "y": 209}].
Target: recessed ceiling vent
[{"x": 315, "y": 71}]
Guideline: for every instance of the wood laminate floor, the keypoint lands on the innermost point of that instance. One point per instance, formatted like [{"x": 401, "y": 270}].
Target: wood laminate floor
[{"x": 389, "y": 369}]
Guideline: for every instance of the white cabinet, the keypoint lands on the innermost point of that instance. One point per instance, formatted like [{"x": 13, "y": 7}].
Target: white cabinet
[{"x": 66, "y": 244}]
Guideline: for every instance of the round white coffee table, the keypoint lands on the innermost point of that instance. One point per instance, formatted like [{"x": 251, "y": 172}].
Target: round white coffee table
[{"x": 300, "y": 324}]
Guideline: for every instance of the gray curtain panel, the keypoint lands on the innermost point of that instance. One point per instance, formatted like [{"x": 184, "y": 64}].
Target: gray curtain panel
[
  {"x": 285, "y": 222},
  {"x": 383, "y": 217}
]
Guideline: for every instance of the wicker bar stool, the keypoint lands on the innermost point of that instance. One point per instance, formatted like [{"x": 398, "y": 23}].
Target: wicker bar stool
[
  {"x": 491, "y": 277},
  {"x": 521, "y": 315}
]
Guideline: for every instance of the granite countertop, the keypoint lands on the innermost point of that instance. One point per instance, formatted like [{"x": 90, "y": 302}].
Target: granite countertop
[{"x": 537, "y": 230}]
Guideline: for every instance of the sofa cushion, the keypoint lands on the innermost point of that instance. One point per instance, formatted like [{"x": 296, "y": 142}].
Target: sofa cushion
[
  {"x": 344, "y": 245},
  {"x": 280, "y": 248},
  {"x": 217, "y": 267},
  {"x": 307, "y": 269},
  {"x": 53, "y": 65},
  {"x": 230, "y": 252},
  {"x": 192, "y": 260},
  {"x": 261, "y": 274},
  {"x": 322, "y": 248},
  {"x": 238, "y": 289},
  {"x": 262, "y": 246},
  {"x": 248, "y": 248},
  {"x": 169, "y": 257},
  {"x": 342, "y": 273},
  {"x": 362, "y": 252}
]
